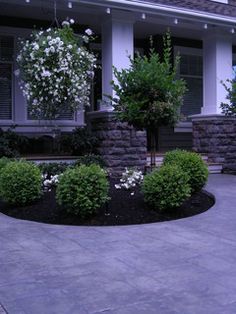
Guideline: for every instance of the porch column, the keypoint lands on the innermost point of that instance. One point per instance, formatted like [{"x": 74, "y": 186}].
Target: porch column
[
  {"x": 117, "y": 46},
  {"x": 217, "y": 67},
  {"x": 213, "y": 133}
]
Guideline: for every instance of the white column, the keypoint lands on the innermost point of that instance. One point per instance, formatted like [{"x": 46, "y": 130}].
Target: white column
[
  {"x": 117, "y": 46},
  {"x": 217, "y": 67}
]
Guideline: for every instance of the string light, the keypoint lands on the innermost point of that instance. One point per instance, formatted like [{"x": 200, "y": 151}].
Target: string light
[
  {"x": 27, "y": 1},
  {"x": 143, "y": 16},
  {"x": 108, "y": 10},
  {"x": 205, "y": 26},
  {"x": 176, "y": 21},
  {"x": 69, "y": 4},
  {"x": 232, "y": 30}
]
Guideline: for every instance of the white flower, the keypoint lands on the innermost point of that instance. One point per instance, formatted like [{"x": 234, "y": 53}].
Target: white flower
[
  {"x": 76, "y": 67},
  {"x": 17, "y": 72},
  {"x": 89, "y": 32},
  {"x": 46, "y": 73},
  {"x": 65, "y": 23}
]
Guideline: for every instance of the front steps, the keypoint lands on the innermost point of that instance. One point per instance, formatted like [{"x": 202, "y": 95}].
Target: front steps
[{"x": 212, "y": 167}]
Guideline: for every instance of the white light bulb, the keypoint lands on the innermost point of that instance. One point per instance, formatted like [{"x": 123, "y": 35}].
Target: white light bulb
[
  {"x": 176, "y": 21},
  {"x": 27, "y": 1},
  {"x": 232, "y": 30},
  {"x": 69, "y": 4},
  {"x": 108, "y": 11},
  {"x": 205, "y": 26},
  {"x": 143, "y": 16}
]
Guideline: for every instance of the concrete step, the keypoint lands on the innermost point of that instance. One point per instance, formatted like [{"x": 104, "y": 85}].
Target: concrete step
[
  {"x": 213, "y": 168},
  {"x": 160, "y": 157}
]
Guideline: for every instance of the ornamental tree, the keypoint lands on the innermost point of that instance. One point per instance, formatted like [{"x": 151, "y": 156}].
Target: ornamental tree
[
  {"x": 149, "y": 95},
  {"x": 55, "y": 70},
  {"x": 229, "y": 108}
]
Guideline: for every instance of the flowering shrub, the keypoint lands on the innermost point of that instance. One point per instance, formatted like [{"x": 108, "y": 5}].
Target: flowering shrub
[
  {"x": 50, "y": 181},
  {"x": 56, "y": 70},
  {"x": 130, "y": 179}
]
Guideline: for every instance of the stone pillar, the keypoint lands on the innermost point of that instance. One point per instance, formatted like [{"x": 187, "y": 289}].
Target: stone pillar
[
  {"x": 213, "y": 133},
  {"x": 217, "y": 67},
  {"x": 216, "y": 137},
  {"x": 117, "y": 46},
  {"x": 120, "y": 144}
]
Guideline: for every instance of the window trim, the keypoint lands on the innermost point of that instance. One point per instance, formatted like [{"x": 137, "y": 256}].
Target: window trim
[{"x": 186, "y": 126}]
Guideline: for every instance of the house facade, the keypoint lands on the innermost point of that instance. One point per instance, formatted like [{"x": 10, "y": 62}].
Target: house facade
[{"x": 204, "y": 34}]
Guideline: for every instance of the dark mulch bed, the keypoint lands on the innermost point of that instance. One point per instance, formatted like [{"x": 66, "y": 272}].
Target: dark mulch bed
[{"x": 122, "y": 209}]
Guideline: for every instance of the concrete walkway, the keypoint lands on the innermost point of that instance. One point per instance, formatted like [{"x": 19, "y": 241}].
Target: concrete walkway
[{"x": 186, "y": 266}]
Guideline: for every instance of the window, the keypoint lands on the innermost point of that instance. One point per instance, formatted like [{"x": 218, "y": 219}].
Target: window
[
  {"x": 191, "y": 70},
  {"x": 6, "y": 69}
]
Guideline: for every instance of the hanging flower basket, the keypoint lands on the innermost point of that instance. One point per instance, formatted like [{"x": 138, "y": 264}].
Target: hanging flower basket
[{"x": 56, "y": 69}]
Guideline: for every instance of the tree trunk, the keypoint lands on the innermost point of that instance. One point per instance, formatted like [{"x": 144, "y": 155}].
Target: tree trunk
[{"x": 154, "y": 145}]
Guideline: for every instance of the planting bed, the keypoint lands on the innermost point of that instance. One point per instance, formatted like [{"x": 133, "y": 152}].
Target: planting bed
[{"x": 122, "y": 209}]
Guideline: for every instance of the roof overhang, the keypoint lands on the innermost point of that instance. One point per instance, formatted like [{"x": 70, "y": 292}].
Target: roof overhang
[{"x": 163, "y": 10}]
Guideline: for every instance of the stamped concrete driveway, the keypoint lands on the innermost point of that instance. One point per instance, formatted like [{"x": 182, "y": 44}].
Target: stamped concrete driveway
[{"x": 185, "y": 266}]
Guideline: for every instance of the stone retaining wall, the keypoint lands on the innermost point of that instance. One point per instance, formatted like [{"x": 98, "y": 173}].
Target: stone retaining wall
[
  {"x": 216, "y": 137},
  {"x": 120, "y": 144}
]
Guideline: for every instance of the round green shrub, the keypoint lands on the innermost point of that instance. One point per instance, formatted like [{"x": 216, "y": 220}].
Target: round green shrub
[
  {"x": 166, "y": 188},
  {"x": 192, "y": 164},
  {"x": 82, "y": 190},
  {"x": 3, "y": 162},
  {"x": 20, "y": 183}
]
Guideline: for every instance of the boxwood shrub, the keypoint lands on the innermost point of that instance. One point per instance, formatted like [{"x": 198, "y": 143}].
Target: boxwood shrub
[
  {"x": 3, "y": 162},
  {"x": 82, "y": 190},
  {"x": 166, "y": 188},
  {"x": 192, "y": 164},
  {"x": 20, "y": 183}
]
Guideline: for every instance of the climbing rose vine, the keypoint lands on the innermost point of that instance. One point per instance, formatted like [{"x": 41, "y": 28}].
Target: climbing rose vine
[{"x": 56, "y": 69}]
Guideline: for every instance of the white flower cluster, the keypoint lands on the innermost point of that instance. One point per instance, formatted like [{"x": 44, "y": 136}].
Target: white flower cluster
[
  {"x": 130, "y": 179},
  {"x": 48, "y": 183},
  {"x": 56, "y": 70}
]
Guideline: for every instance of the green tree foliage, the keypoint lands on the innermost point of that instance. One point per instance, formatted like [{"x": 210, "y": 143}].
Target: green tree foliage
[
  {"x": 149, "y": 94},
  {"x": 229, "y": 108}
]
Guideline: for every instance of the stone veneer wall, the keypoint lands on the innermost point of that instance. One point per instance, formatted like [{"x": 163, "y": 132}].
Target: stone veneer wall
[
  {"x": 216, "y": 137},
  {"x": 120, "y": 144}
]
